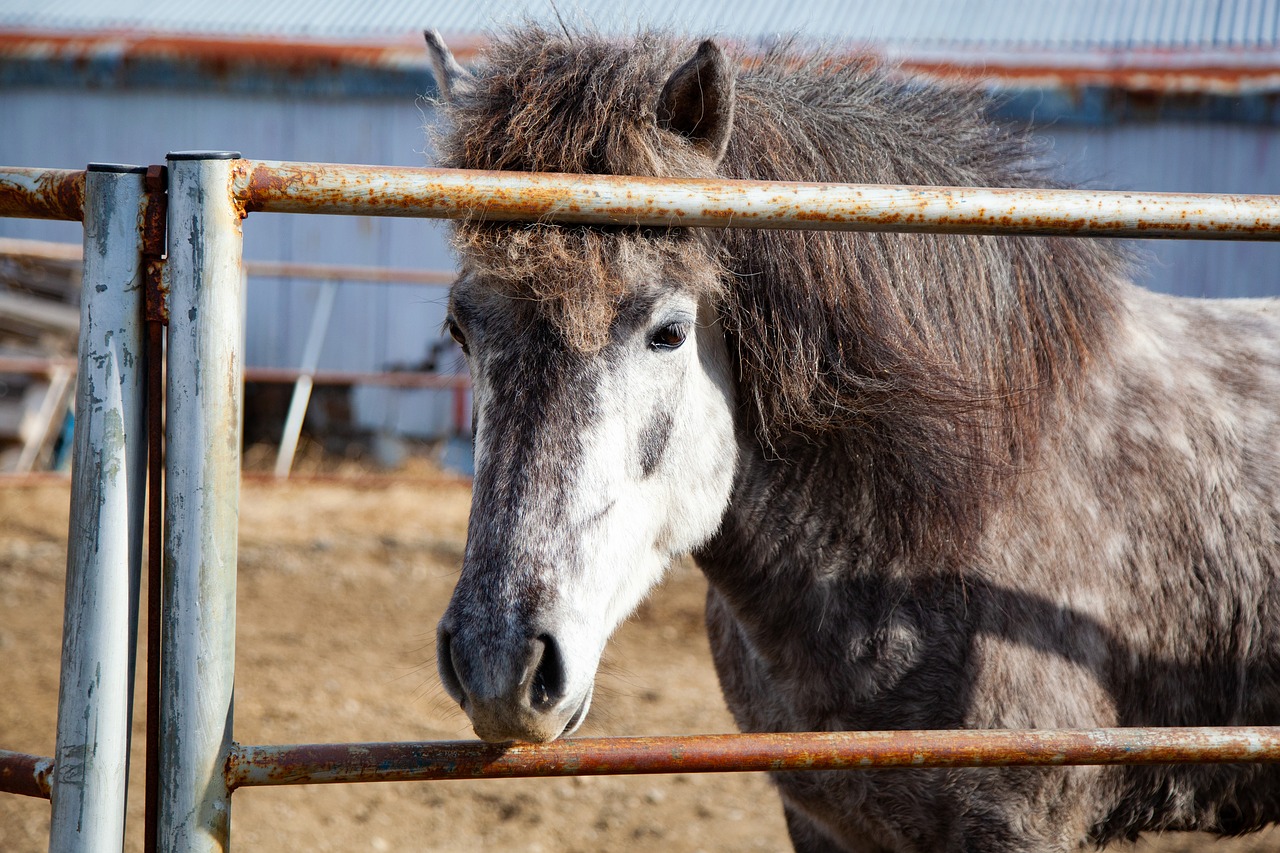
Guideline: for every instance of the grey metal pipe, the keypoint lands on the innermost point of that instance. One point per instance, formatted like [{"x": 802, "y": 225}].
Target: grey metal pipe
[
  {"x": 105, "y": 541},
  {"x": 611, "y": 199},
  {"x": 202, "y": 494}
]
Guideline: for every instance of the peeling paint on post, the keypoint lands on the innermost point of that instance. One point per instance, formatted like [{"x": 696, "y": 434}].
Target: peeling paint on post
[
  {"x": 105, "y": 541},
  {"x": 202, "y": 495}
]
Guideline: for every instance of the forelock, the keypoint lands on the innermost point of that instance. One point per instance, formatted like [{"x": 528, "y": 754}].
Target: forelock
[
  {"x": 580, "y": 276},
  {"x": 549, "y": 102}
]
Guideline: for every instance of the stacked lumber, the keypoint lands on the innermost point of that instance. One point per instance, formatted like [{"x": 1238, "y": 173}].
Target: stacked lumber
[{"x": 39, "y": 322}]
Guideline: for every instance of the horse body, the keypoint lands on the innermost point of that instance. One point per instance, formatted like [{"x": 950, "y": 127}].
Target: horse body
[
  {"x": 934, "y": 482},
  {"x": 1129, "y": 579}
]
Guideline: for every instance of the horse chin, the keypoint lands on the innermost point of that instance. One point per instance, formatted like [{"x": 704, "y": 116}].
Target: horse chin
[
  {"x": 579, "y": 716},
  {"x": 501, "y": 725}
]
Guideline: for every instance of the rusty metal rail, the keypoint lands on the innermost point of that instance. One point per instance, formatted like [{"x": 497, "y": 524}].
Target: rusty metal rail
[
  {"x": 311, "y": 764},
  {"x": 26, "y": 775},
  {"x": 279, "y": 187},
  {"x": 35, "y": 365},
  {"x": 42, "y": 193},
  {"x": 347, "y": 273},
  {"x": 73, "y": 253},
  {"x": 392, "y": 379}
]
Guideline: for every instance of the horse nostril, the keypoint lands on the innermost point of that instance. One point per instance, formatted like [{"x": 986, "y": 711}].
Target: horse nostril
[
  {"x": 547, "y": 686},
  {"x": 448, "y": 668}
]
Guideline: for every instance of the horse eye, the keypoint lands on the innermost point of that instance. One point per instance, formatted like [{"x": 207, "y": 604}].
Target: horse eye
[
  {"x": 456, "y": 334},
  {"x": 669, "y": 336}
]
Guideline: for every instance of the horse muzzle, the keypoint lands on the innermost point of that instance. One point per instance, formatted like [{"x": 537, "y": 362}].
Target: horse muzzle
[{"x": 510, "y": 690}]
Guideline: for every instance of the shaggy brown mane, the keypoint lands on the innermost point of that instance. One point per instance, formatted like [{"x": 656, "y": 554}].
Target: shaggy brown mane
[
  {"x": 934, "y": 358},
  {"x": 546, "y": 104}
]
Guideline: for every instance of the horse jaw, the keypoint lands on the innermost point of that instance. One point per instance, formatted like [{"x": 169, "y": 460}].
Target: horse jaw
[{"x": 645, "y": 477}]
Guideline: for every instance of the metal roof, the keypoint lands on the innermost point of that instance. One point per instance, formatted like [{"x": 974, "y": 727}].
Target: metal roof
[
  {"x": 1065, "y": 58},
  {"x": 966, "y": 25}
]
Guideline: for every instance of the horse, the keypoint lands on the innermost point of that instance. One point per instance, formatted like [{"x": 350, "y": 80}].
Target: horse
[{"x": 934, "y": 482}]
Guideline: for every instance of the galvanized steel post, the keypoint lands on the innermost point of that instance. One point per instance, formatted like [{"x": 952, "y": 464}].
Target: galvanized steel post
[
  {"x": 105, "y": 541},
  {"x": 202, "y": 494}
]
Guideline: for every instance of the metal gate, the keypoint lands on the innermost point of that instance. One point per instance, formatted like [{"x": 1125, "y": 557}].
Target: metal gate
[{"x": 137, "y": 279}]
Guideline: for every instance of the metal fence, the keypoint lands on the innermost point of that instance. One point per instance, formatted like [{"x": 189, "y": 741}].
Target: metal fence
[
  {"x": 87, "y": 772},
  {"x": 303, "y": 378},
  {"x": 138, "y": 278}
]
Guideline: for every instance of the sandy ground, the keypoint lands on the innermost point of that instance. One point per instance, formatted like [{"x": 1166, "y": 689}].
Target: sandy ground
[{"x": 340, "y": 587}]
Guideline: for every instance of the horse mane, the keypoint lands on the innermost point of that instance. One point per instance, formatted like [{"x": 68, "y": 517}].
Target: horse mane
[{"x": 935, "y": 359}]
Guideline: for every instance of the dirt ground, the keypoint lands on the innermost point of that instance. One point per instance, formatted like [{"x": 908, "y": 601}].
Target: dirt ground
[{"x": 339, "y": 589}]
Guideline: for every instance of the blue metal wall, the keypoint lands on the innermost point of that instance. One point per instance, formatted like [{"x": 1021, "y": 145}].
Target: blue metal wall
[
  {"x": 374, "y": 325},
  {"x": 1183, "y": 157},
  {"x": 984, "y": 24}
]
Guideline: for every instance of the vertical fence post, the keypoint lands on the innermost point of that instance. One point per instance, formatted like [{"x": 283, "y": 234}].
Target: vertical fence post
[
  {"x": 202, "y": 496},
  {"x": 105, "y": 540}
]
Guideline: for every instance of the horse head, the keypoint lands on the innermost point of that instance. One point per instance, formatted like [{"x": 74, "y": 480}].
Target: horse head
[{"x": 604, "y": 429}]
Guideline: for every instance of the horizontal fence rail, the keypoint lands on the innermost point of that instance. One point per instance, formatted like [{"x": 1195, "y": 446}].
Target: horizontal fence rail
[
  {"x": 390, "y": 379},
  {"x": 74, "y": 254},
  {"x": 26, "y": 775},
  {"x": 397, "y": 762},
  {"x": 42, "y": 193},
  {"x": 347, "y": 274},
  {"x": 281, "y": 187},
  {"x": 35, "y": 366}
]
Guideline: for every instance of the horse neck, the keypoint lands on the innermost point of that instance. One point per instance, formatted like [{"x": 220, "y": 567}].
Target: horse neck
[
  {"x": 801, "y": 513},
  {"x": 806, "y": 574}
]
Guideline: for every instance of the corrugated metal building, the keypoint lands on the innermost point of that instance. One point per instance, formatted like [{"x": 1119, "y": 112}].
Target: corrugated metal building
[{"x": 1177, "y": 95}]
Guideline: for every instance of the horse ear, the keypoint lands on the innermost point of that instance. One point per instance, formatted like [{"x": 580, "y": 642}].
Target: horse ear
[
  {"x": 451, "y": 77},
  {"x": 697, "y": 101}
]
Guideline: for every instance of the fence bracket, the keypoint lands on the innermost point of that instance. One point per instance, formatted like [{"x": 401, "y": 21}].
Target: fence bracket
[{"x": 153, "y": 243}]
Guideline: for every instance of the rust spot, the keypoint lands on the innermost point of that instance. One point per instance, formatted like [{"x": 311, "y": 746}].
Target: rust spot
[
  {"x": 817, "y": 216},
  {"x": 261, "y": 181},
  {"x": 42, "y": 194},
  {"x": 729, "y": 213},
  {"x": 26, "y": 775},
  {"x": 154, "y": 224},
  {"x": 68, "y": 190}
]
